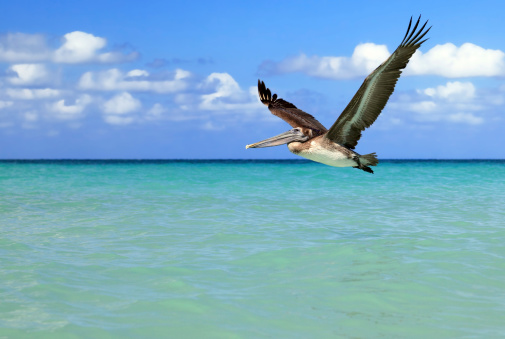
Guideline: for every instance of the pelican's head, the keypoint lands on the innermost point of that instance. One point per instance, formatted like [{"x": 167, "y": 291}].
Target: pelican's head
[{"x": 296, "y": 134}]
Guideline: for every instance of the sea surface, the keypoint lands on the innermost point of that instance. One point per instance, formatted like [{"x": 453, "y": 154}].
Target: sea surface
[{"x": 251, "y": 249}]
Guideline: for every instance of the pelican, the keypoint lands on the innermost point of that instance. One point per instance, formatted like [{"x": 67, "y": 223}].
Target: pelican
[{"x": 335, "y": 147}]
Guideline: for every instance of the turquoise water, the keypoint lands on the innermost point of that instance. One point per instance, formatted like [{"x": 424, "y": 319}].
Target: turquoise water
[{"x": 252, "y": 250}]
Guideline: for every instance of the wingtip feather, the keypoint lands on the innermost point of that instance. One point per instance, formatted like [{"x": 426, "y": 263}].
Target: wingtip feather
[{"x": 412, "y": 37}]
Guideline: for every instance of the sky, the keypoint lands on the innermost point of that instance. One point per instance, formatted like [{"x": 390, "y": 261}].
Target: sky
[{"x": 177, "y": 79}]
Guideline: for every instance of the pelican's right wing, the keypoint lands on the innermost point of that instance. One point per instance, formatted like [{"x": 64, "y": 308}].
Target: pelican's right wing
[{"x": 374, "y": 93}]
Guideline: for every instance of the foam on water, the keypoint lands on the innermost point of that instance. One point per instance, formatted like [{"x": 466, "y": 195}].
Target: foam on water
[{"x": 252, "y": 250}]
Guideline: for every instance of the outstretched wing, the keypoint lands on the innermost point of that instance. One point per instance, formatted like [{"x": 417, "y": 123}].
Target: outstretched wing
[
  {"x": 372, "y": 96},
  {"x": 287, "y": 111}
]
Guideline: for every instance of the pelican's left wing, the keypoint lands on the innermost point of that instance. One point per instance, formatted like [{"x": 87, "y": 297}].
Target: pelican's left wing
[
  {"x": 374, "y": 93},
  {"x": 287, "y": 111}
]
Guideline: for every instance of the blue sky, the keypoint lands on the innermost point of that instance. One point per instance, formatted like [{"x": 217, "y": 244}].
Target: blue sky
[{"x": 176, "y": 80}]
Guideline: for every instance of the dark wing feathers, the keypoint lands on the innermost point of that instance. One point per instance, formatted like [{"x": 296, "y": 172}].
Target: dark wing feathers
[
  {"x": 287, "y": 111},
  {"x": 372, "y": 96}
]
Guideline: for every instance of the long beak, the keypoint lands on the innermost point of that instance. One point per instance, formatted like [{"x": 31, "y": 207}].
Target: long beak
[{"x": 283, "y": 138}]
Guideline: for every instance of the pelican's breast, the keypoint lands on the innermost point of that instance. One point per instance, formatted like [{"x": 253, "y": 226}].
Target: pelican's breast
[{"x": 324, "y": 151}]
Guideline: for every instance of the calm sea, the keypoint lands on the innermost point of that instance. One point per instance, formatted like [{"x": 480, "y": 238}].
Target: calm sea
[{"x": 251, "y": 249}]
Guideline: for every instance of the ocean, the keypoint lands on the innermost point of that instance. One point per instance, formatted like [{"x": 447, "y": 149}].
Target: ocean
[{"x": 251, "y": 249}]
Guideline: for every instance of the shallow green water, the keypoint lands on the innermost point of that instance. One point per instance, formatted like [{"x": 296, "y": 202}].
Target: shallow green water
[{"x": 252, "y": 250}]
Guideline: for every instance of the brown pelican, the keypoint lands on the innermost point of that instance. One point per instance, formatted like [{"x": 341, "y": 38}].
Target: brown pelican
[{"x": 334, "y": 147}]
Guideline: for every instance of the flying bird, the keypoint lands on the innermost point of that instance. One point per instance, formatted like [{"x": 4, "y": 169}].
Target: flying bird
[{"x": 335, "y": 147}]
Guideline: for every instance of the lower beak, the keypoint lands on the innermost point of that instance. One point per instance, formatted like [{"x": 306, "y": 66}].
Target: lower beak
[{"x": 283, "y": 138}]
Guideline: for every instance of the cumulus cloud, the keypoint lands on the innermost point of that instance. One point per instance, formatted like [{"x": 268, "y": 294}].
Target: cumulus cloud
[
  {"x": 227, "y": 94},
  {"x": 450, "y": 61},
  {"x": 211, "y": 126},
  {"x": 31, "y": 116},
  {"x": 216, "y": 97},
  {"x": 20, "y": 47},
  {"x": 447, "y": 60},
  {"x": 365, "y": 58},
  {"x": 453, "y": 91},
  {"x": 31, "y": 94},
  {"x": 134, "y": 80},
  {"x": 29, "y": 119},
  {"x": 160, "y": 62},
  {"x": 26, "y": 99},
  {"x": 66, "y": 112},
  {"x": 117, "y": 109},
  {"x": 155, "y": 112},
  {"x": 77, "y": 47},
  {"x": 454, "y": 102},
  {"x": 27, "y": 74},
  {"x": 137, "y": 73},
  {"x": 121, "y": 104},
  {"x": 4, "y": 104},
  {"x": 422, "y": 106},
  {"x": 467, "y": 118},
  {"x": 118, "y": 120}
]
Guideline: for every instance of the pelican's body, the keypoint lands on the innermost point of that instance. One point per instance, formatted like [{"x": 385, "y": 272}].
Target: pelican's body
[
  {"x": 325, "y": 151},
  {"x": 334, "y": 147}
]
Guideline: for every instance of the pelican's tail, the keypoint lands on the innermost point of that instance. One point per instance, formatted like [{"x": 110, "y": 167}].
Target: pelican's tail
[{"x": 369, "y": 159}]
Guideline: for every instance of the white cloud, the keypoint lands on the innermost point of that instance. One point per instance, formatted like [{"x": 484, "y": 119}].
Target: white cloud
[
  {"x": 155, "y": 112},
  {"x": 117, "y": 110},
  {"x": 65, "y": 112},
  {"x": 450, "y": 61},
  {"x": 30, "y": 94},
  {"x": 137, "y": 73},
  {"x": 210, "y": 126},
  {"x": 20, "y": 47},
  {"x": 29, "y": 85},
  {"x": 118, "y": 120},
  {"x": 6, "y": 124},
  {"x": 29, "y": 119},
  {"x": 121, "y": 104},
  {"x": 31, "y": 116},
  {"x": 226, "y": 87},
  {"x": 447, "y": 60},
  {"x": 116, "y": 80},
  {"x": 365, "y": 58},
  {"x": 454, "y": 102},
  {"x": 423, "y": 106},
  {"x": 4, "y": 104},
  {"x": 219, "y": 96},
  {"x": 467, "y": 118},
  {"x": 28, "y": 74},
  {"x": 77, "y": 47},
  {"x": 453, "y": 91},
  {"x": 227, "y": 95},
  {"x": 52, "y": 133}
]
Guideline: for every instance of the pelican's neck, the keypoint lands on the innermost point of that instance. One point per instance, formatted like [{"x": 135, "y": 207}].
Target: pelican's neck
[{"x": 295, "y": 147}]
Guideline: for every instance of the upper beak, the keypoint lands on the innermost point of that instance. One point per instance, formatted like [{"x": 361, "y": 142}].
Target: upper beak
[{"x": 283, "y": 138}]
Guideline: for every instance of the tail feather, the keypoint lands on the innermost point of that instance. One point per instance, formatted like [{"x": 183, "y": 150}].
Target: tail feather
[{"x": 369, "y": 159}]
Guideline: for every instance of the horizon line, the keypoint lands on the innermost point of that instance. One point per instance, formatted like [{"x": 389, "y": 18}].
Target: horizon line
[{"x": 229, "y": 159}]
